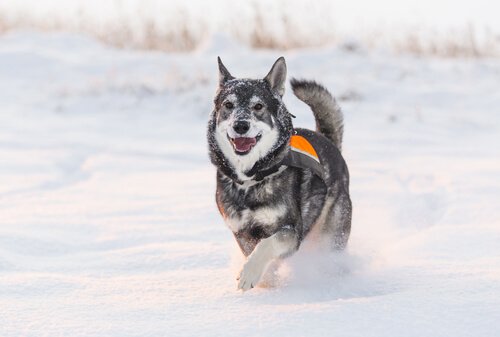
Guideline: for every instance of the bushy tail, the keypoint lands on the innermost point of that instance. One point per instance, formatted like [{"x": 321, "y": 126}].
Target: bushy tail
[{"x": 329, "y": 118}]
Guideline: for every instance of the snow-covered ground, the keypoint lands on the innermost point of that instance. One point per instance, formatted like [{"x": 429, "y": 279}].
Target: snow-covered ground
[{"x": 108, "y": 224}]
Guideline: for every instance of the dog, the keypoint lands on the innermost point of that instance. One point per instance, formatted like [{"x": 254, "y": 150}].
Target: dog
[{"x": 275, "y": 182}]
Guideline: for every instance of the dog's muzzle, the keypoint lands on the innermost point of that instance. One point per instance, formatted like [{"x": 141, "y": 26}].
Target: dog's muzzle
[
  {"x": 241, "y": 127},
  {"x": 242, "y": 141}
]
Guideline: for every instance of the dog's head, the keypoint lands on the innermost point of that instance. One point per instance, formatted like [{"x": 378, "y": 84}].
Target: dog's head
[{"x": 250, "y": 121}]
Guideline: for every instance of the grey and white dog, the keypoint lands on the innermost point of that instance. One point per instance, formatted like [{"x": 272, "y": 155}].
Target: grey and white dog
[{"x": 269, "y": 197}]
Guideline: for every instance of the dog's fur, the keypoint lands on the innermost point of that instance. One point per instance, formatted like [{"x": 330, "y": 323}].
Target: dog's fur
[{"x": 270, "y": 207}]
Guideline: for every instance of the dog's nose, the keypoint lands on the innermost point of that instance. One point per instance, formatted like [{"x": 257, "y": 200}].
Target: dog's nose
[{"x": 241, "y": 127}]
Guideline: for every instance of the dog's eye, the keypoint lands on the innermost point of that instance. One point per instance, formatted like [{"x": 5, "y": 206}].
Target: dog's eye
[
  {"x": 258, "y": 106},
  {"x": 229, "y": 105}
]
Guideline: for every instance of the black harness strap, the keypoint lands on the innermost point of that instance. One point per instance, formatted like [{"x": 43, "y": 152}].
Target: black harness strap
[{"x": 294, "y": 158}]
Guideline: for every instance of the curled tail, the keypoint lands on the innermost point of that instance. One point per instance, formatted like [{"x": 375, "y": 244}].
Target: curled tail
[{"x": 329, "y": 118}]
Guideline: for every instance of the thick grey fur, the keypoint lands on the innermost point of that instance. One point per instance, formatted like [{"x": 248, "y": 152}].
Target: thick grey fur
[
  {"x": 309, "y": 201},
  {"x": 329, "y": 118}
]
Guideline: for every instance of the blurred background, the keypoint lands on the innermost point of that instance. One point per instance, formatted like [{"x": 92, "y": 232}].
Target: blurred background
[
  {"x": 442, "y": 27},
  {"x": 108, "y": 223}
]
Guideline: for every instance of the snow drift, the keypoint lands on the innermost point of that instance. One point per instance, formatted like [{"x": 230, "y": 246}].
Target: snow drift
[{"x": 108, "y": 220}]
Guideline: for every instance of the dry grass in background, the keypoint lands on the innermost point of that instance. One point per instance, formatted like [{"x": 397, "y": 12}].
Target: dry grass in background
[{"x": 183, "y": 26}]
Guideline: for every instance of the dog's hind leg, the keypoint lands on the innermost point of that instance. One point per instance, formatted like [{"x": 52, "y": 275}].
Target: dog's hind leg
[
  {"x": 280, "y": 244},
  {"x": 336, "y": 225}
]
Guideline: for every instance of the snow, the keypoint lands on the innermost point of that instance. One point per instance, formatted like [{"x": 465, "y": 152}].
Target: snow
[{"x": 108, "y": 220}]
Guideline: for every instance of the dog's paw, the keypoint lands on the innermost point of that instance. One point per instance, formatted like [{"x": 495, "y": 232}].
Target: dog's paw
[{"x": 250, "y": 275}]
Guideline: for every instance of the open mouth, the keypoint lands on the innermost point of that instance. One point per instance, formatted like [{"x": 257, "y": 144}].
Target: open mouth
[{"x": 243, "y": 145}]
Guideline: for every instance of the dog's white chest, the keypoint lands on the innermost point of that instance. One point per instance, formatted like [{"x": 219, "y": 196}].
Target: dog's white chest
[{"x": 263, "y": 216}]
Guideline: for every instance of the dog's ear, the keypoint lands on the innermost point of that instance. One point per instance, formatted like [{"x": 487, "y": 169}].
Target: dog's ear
[
  {"x": 224, "y": 74},
  {"x": 277, "y": 76}
]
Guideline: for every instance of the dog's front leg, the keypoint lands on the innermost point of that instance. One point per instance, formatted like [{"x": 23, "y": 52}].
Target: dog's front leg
[{"x": 280, "y": 244}]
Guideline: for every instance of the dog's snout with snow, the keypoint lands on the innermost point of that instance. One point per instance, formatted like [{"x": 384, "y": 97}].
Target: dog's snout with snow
[{"x": 241, "y": 127}]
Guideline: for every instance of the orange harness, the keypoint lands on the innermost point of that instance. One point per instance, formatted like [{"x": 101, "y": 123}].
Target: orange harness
[
  {"x": 302, "y": 155},
  {"x": 301, "y": 145}
]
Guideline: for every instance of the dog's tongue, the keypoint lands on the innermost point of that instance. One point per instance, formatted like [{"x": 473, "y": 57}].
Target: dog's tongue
[{"x": 243, "y": 144}]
